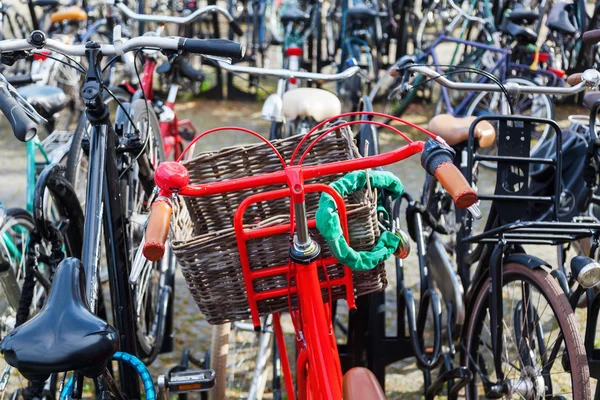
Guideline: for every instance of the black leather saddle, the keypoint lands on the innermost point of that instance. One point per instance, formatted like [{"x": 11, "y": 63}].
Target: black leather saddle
[
  {"x": 559, "y": 19},
  {"x": 65, "y": 335},
  {"x": 521, "y": 15},
  {"x": 362, "y": 12},
  {"x": 518, "y": 32},
  {"x": 294, "y": 14},
  {"x": 47, "y": 100}
]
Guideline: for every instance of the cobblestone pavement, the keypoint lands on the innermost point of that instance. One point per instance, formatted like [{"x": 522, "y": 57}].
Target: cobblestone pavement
[{"x": 404, "y": 379}]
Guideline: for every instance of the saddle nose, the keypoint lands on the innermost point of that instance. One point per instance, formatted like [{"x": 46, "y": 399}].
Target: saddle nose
[{"x": 65, "y": 335}]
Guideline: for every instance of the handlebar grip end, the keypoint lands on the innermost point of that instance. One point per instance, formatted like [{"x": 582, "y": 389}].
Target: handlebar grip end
[
  {"x": 23, "y": 127},
  {"x": 456, "y": 185},
  {"x": 436, "y": 159},
  {"x": 153, "y": 251}
]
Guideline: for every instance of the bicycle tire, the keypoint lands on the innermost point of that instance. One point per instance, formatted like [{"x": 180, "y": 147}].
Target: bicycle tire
[
  {"x": 555, "y": 297},
  {"x": 548, "y": 111},
  {"x": 76, "y": 163},
  {"x": 154, "y": 277}
]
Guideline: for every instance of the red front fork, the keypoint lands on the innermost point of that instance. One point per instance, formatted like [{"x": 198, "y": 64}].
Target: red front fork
[{"x": 325, "y": 372}]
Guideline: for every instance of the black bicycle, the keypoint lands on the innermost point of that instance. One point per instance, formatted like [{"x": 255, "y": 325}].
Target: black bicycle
[{"x": 67, "y": 335}]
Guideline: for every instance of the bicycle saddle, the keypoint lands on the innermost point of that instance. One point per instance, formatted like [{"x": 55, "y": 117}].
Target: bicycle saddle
[
  {"x": 72, "y": 13},
  {"x": 47, "y": 100},
  {"x": 65, "y": 335},
  {"x": 519, "y": 32},
  {"x": 590, "y": 98},
  {"x": 318, "y": 104},
  {"x": 559, "y": 20},
  {"x": 520, "y": 15},
  {"x": 362, "y": 11},
  {"x": 360, "y": 383},
  {"x": 294, "y": 14},
  {"x": 455, "y": 130}
]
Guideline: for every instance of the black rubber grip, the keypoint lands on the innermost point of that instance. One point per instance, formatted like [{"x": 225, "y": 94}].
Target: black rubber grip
[
  {"x": 187, "y": 71},
  {"x": 237, "y": 29},
  {"x": 213, "y": 47},
  {"x": 591, "y": 37},
  {"x": 23, "y": 127},
  {"x": 434, "y": 154},
  {"x": 20, "y": 80}
]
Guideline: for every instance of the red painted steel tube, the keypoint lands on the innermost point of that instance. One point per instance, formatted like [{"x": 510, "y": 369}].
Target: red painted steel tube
[
  {"x": 272, "y": 293},
  {"x": 313, "y": 171},
  {"x": 283, "y": 356},
  {"x": 243, "y": 236},
  {"x": 324, "y": 368},
  {"x": 301, "y": 372}
]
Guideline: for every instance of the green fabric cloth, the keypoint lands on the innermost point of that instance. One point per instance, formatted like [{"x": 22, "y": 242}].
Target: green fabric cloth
[{"x": 328, "y": 220}]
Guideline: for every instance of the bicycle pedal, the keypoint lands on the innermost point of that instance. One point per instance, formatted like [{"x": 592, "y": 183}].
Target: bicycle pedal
[{"x": 185, "y": 382}]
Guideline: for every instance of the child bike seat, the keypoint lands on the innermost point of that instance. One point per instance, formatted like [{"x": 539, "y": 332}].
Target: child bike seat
[
  {"x": 72, "y": 13},
  {"x": 47, "y": 100},
  {"x": 455, "y": 130},
  {"x": 361, "y": 384},
  {"x": 65, "y": 335},
  {"x": 311, "y": 102}
]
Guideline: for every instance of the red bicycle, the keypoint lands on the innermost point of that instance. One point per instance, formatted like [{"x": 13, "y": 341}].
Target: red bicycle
[
  {"x": 173, "y": 130},
  {"x": 318, "y": 370}
]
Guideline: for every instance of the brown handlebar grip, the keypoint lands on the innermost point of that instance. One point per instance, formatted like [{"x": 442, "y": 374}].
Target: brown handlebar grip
[
  {"x": 394, "y": 72},
  {"x": 574, "y": 79},
  {"x": 591, "y": 37},
  {"x": 456, "y": 185},
  {"x": 157, "y": 230}
]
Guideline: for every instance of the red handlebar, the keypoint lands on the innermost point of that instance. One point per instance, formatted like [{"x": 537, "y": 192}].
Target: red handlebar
[{"x": 280, "y": 177}]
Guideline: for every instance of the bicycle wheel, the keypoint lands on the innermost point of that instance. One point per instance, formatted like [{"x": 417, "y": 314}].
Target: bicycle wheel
[
  {"x": 532, "y": 105},
  {"x": 153, "y": 292},
  {"x": 77, "y": 161},
  {"x": 240, "y": 359},
  {"x": 535, "y": 362},
  {"x": 14, "y": 236}
]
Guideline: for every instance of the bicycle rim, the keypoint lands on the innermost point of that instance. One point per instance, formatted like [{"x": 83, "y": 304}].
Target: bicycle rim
[{"x": 536, "y": 363}]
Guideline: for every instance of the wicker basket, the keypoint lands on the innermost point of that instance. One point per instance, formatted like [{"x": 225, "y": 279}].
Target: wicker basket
[{"x": 205, "y": 243}]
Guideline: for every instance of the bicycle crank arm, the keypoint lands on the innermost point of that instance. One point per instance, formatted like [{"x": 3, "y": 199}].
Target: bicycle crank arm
[{"x": 188, "y": 381}]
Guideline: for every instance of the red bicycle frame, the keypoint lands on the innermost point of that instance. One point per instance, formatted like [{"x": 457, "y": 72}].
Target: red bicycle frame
[
  {"x": 170, "y": 125},
  {"x": 318, "y": 369},
  {"x": 319, "y": 373}
]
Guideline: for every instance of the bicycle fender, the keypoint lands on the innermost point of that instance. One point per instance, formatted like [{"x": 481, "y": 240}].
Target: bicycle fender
[{"x": 528, "y": 260}]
